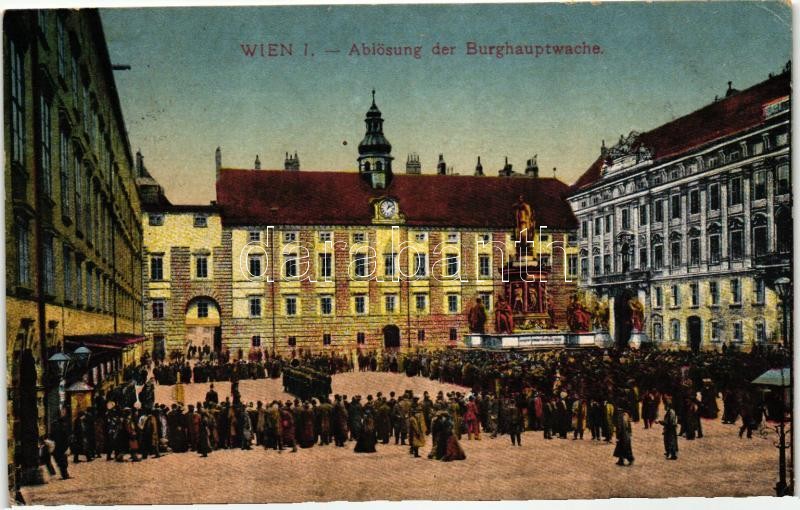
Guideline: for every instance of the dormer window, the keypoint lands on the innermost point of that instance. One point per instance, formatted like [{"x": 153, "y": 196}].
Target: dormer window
[
  {"x": 358, "y": 237},
  {"x": 156, "y": 219},
  {"x": 452, "y": 237},
  {"x": 200, "y": 221},
  {"x": 420, "y": 237},
  {"x": 289, "y": 237}
]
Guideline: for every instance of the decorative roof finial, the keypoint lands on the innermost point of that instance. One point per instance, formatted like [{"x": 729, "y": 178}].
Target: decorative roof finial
[{"x": 373, "y": 97}]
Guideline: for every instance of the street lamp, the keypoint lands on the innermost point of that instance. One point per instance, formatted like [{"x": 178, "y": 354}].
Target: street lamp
[
  {"x": 63, "y": 362},
  {"x": 783, "y": 287}
]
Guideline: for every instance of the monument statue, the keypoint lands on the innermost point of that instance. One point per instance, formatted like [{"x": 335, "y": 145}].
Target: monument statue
[
  {"x": 637, "y": 314},
  {"x": 525, "y": 224},
  {"x": 503, "y": 318},
  {"x": 477, "y": 317},
  {"x": 578, "y": 318}
]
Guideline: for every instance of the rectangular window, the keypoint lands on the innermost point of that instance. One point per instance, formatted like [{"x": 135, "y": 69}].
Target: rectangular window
[
  {"x": 325, "y": 237},
  {"x": 484, "y": 266},
  {"x": 254, "y": 236},
  {"x": 254, "y": 265},
  {"x": 642, "y": 215},
  {"x": 360, "y": 265},
  {"x": 761, "y": 332},
  {"x": 659, "y": 297},
  {"x": 361, "y": 338},
  {"x": 737, "y": 245},
  {"x": 735, "y": 196},
  {"x": 760, "y": 185},
  {"x": 642, "y": 258},
  {"x": 713, "y": 197},
  {"x": 675, "y": 253},
  {"x": 676, "y": 330},
  {"x": 290, "y": 265},
  {"x": 78, "y": 167},
  {"x": 658, "y": 212},
  {"x": 420, "y": 237},
  {"x": 155, "y": 219},
  {"x": 156, "y": 267},
  {"x": 453, "y": 334},
  {"x": 389, "y": 264},
  {"x": 598, "y": 226},
  {"x": 289, "y": 237},
  {"x": 737, "y": 332},
  {"x": 626, "y": 219},
  {"x": 486, "y": 299},
  {"x": 158, "y": 308},
  {"x": 201, "y": 266},
  {"x": 451, "y": 264},
  {"x": 420, "y": 335},
  {"x": 358, "y": 237},
  {"x": 585, "y": 229},
  {"x": 326, "y": 305},
  {"x": 572, "y": 264},
  {"x": 607, "y": 264},
  {"x": 45, "y": 149},
  {"x": 78, "y": 282},
  {"x": 676, "y": 296},
  {"x": 694, "y": 201},
  {"x": 420, "y": 265},
  {"x": 694, "y": 251},
  {"x": 75, "y": 89},
  {"x": 452, "y": 237},
  {"x": 49, "y": 265},
  {"x": 584, "y": 266},
  {"x": 675, "y": 206},
  {"x": 61, "y": 47},
  {"x": 715, "y": 332},
  {"x": 23, "y": 255},
  {"x": 17, "y": 85},
  {"x": 598, "y": 265},
  {"x": 291, "y": 341},
  {"x": 326, "y": 339},
  {"x": 421, "y": 302},
  {"x": 200, "y": 221},
  {"x": 695, "y": 292},
  {"x": 760, "y": 241},
  {"x": 391, "y": 303},
  {"x": 255, "y": 306},
  {"x": 736, "y": 291},
  {"x": 783, "y": 183},
  {"x": 255, "y": 341},
  {"x": 452, "y": 303},
  {"x": 202, "y": 309},
  {"x": 89, "y": 287},
  {"x": 609, "y": 220},
  {"x": 361, "y": 304},
  {"x": 759, "y": 292},
  {"x": 714, "y": 249},
  {"x": 325, "y": 266},
  {"x": 67, "y": 273},
  {"x": 291, "y": 305},
  {"x": 713, "y": 293},
  {"x": 63, "y": 166}
]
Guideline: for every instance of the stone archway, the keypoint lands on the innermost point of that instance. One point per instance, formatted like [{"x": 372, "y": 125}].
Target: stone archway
[
  {"x": 391, "y": 337},
  {"x": 203, "y": 323}
]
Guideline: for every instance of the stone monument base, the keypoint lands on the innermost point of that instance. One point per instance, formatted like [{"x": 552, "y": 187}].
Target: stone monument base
[
  {"x": 603, "y": 339},
  {"x": 637, "y": 339},
  {"x": 532, "y": 340}
]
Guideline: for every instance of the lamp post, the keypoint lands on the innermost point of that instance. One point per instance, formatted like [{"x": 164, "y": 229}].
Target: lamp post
[
  {"x": 783, "y": 287},
  {"x": 63, "y": 362}
]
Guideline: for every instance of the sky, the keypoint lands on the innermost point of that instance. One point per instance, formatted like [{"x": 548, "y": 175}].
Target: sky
[{"x": 192, "y": 88}]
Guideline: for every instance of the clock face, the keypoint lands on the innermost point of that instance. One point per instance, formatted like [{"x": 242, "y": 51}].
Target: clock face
[{"x": 388, "y": 208}]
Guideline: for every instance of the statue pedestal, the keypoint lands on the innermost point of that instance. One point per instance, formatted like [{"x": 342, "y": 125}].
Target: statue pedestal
[
  {"x": 581, "y": 339},
  {"x": 603, "y": 339},
  {"x": 636, "y": 340}
]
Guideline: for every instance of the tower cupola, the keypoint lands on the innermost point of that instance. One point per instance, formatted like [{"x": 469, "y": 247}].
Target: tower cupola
[{"x": 374, "y": 151}]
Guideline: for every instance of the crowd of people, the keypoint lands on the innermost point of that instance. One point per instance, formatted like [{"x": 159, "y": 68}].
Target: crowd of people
[{"x": 559, "y": 393}]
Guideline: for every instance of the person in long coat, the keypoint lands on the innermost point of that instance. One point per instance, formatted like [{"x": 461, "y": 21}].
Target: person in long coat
[
  {"x": 670, "y": 424},
  {"x": 287, "y": 426},
  {"x": 204, "y": 439},
  {"x": 624, "y": 448},
  {"x": 308, "y": 436},
  {"x": 367, "y": 436},
  {"x": 340, "y": 421},
  {"x": 578, "y": 418},
  {"x": 416, "y": 430},
  {"x": 150, "y": 435}
]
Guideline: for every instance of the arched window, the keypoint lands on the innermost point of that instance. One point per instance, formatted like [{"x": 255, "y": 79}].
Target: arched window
[
  {"x": 367, "y": 166},
  {"x": 379, "y": 166}
]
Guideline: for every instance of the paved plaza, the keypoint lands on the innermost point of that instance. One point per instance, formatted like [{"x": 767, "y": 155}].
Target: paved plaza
[{"x": 720, "y": 464}]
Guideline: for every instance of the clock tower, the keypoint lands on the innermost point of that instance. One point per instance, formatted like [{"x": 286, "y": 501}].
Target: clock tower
[{"x": 374, "y": 151}]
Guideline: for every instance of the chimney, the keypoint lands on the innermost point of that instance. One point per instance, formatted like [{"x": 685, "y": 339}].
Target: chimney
[
  {"x": 218, "y": 161},
  {"x": 291, "y": 162},
  {"x": 257, "y": 164},
  {"x": 139, "y": 164},
  {"x": 441, "y": 166},
  {"x": 479, "y": 167},
  {"x": 413, "y": 166},
  {"x": 532, "y": 167}
]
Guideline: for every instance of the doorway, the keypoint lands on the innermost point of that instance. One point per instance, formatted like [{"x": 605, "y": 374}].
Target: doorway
[
  {"x": 217, "y": 339},
  {"x": 694, "y": 329},
  {"x": 391, "y": 337}
]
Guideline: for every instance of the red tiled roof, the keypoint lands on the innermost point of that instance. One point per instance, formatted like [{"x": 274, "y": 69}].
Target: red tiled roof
[
  {"x": 280, "y": 197},
  {"x": 733, "y": 114}
]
